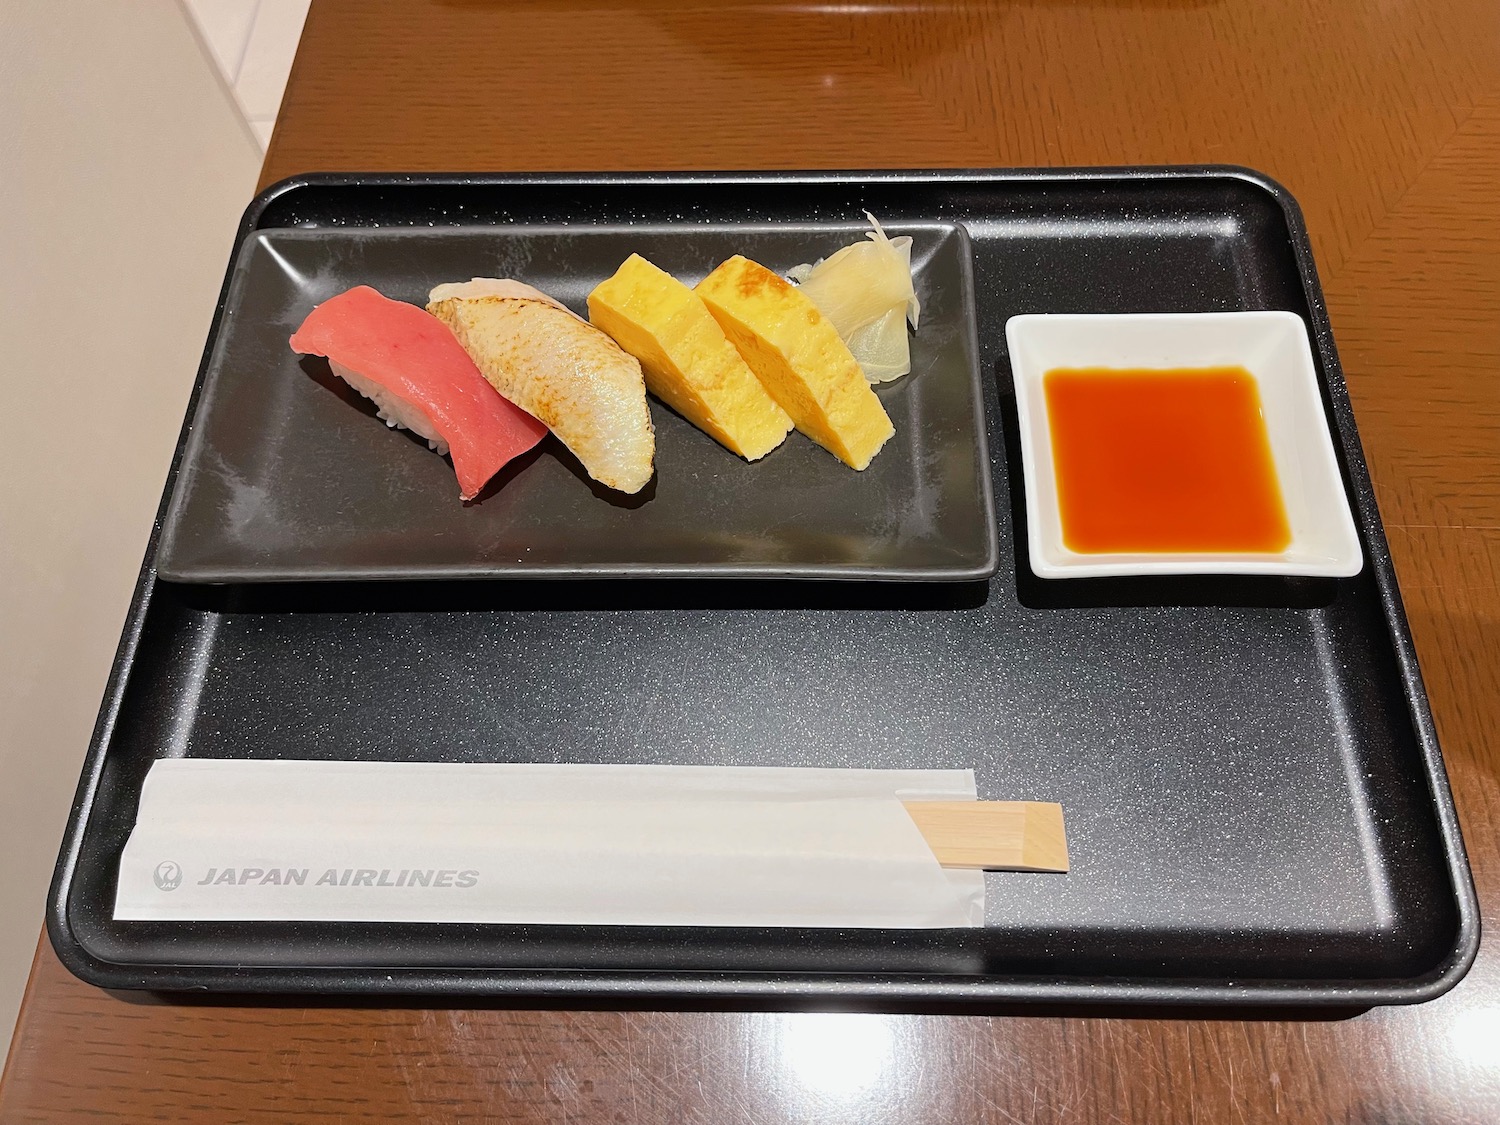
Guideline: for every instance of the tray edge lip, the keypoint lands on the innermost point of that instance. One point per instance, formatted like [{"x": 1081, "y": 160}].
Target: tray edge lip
[
  {"x": 274, "y": 192},
  {"x": 1442, "y": 977},
  {"x": 764, "y": 989},
  {"x": 1465, "y": 945},
  {"x": 57, "y": 923}
]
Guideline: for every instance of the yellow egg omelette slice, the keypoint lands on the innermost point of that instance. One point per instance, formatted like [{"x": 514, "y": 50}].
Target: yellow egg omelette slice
[
  {"x": 799, "y": 358},
  {"x": 688, "y": 361}
]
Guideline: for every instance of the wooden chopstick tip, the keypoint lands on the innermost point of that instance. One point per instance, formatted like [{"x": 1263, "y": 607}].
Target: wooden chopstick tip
[{"x": 993, "y": 835}]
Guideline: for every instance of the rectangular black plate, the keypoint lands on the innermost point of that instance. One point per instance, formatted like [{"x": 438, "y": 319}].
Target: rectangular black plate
[
  {"x": 288, "y": 475},
  {"x": 1256, "y": 805}
]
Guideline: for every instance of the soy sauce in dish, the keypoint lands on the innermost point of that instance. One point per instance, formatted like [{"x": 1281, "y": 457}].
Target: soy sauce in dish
[{"x": 1167, "y": 461}]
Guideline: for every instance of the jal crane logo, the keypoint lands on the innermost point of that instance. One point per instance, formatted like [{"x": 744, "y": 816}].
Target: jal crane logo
[{"x": 167, "y": 876}]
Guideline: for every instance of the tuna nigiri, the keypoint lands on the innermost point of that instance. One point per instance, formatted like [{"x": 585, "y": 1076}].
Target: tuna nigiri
[
  {"x": 560, "y": 368},
  {"x": 410, "y": 365}
]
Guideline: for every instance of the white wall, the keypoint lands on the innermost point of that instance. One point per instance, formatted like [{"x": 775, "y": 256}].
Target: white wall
[{"x": 124, "y": 166}]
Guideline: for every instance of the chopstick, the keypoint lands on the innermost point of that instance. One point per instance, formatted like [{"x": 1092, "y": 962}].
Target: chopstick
[{"x": 993, "y": 835}]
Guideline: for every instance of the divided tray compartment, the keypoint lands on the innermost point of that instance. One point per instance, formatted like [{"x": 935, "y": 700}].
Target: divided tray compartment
[{"x": 1256, "y": 805}]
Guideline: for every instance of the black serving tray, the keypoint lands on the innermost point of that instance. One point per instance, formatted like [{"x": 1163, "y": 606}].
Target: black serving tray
[{"x": 1257, "y": 809}]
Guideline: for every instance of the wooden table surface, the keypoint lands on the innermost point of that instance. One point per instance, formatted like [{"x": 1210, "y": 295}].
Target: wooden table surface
[{"x": 1382, "y": 117}]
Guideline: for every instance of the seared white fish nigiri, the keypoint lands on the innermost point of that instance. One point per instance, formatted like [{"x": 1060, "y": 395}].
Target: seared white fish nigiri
[{"x": 559, "y": 369}]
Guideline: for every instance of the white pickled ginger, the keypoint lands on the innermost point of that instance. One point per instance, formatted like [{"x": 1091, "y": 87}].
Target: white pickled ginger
[{"x": 866, "y": 292}]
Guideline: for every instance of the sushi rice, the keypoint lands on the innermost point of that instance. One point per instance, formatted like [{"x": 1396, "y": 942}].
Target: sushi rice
[{"x": 395, "y": 412}]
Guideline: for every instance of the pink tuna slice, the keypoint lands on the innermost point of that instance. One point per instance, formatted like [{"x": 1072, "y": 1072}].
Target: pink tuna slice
[{"x": 409, "y": 362}]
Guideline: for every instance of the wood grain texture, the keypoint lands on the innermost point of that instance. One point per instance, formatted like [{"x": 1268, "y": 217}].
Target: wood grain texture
[{"x": 1383, "y": 118}]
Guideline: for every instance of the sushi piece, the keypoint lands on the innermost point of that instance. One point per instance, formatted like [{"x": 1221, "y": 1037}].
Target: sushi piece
[
  {"x": 560, "y": 369},
  {"x": 687, "y": 359},
  {"x": 799, "y": 358},
  {"x": 407, "y": 362}
]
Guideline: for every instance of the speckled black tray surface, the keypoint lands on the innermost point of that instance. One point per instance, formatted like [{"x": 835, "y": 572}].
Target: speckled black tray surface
[{"x": 1256, "y": 805}]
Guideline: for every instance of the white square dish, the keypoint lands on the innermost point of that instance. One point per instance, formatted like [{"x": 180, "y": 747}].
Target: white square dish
[{"x": 1273, "y": 347}]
